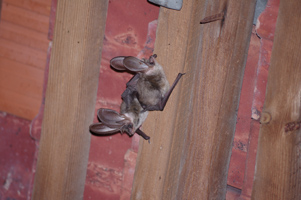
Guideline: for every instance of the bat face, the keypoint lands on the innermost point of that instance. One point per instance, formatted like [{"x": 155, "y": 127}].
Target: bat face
[
  {"x": 128, "y": 121},
  {"x": 148, "y": 90},
  {"x": 112, "y": 122}
]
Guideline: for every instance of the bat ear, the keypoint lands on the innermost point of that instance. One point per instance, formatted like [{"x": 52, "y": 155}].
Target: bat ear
[
  {"x": 111, "y": 122},
  {"x": 102, "y": 129},
  {"x": 134, "y": 64},
  {"x": 111, "y": 117},
  {"x": 117, "y": 63}
]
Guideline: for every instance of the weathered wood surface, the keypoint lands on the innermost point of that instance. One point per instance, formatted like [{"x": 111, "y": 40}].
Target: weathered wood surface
[
  {"x": 70, "y": 99},
  {"x": 191, "y": 139},
  {"x": 23, "y": 51},
  {"x": 278, "y": 164}
]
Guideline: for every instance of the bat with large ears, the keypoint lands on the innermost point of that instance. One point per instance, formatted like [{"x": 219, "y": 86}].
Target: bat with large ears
[
  {"x": 148, "y": 90},
  {"x": 127, "y": 121},
  {"x": 149, "y": 84}
]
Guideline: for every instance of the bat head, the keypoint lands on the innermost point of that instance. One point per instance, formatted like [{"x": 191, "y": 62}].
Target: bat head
[
  {"x": 112, "y": 122},
  {"x": 152, "y": 60}
]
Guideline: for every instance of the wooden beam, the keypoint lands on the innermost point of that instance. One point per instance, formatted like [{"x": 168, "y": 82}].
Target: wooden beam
[
  {"x": 191, "y": 139},
  {"x": 278, "y": 163},
  {"x": 70, "y": 99}
]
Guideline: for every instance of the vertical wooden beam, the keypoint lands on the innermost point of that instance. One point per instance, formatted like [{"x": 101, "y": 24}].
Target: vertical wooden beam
[
  {"x": 278, "y": 163},
  {"x": 191, "y": 140},
  {"x": 70, "y": 99}
]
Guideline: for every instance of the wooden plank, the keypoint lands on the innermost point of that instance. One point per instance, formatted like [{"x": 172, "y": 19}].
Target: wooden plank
[
  {"x": 22, "y": 54},
  {"x": 191, "y": 140},
  {"x": 18, "y": 104},
  {"x": 70, "y": 99},
  {"x": 20, "y": 88},
  {"x": 26, "y": 18},
  {"x": 42, "y": 6},
  {"x": 13, "y": 78},
  {"x": 23, "y": 36},
  {"x": 23, "y": 46},
  {"x": 278, "y": 162},
  {"x": 21, "y": 69}
]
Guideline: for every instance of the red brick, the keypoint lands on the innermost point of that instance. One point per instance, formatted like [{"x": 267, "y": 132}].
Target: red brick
[
  {"x": 266, "y": 22},
  {"x": 237, "y": 168},
  {"x": 17, "y": 151},
  {"x": 128, "y": 174},
  {"x": 251, "y": 161}
]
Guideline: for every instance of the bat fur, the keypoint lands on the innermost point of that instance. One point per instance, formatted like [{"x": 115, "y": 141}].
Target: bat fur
[{"x": 148, "y": 90}]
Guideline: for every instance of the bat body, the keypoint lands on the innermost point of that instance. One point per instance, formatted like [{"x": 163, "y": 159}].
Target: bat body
[
  {"x": 148, "y": 90},
  {"x": 149, "y": 84}
]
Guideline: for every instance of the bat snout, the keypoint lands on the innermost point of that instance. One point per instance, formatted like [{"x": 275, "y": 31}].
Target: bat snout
[{"x": 152, "y": 60}]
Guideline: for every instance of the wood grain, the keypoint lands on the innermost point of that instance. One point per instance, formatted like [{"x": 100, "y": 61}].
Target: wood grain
[
  {"x": 278, "y": 163},
  {"x": 70, "y": 99},
  {"x": 23, "y": 52},
  {"x": 20, "y": 94},
  {"x": 26, "y": 18},
  {"x": 191, "y": 139},
  {"x": 27, "y": 81},
  {"x": 39, "y": 6},
  {"x": 24, "y": 36},
  {"x": 21, "y": 105}
]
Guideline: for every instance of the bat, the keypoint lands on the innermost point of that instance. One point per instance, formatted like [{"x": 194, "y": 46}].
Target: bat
[
  {"x": 127, "y": 121},
  {"x": 149, "y": 84},
  {"x": 148, "y": 90}
]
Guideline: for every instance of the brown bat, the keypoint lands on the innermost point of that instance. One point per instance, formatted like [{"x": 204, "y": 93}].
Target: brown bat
[
  {"x": 148, "y": 90},
  {"x": 149, "y": 84},
  {"x": 128, "y": 121}
]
